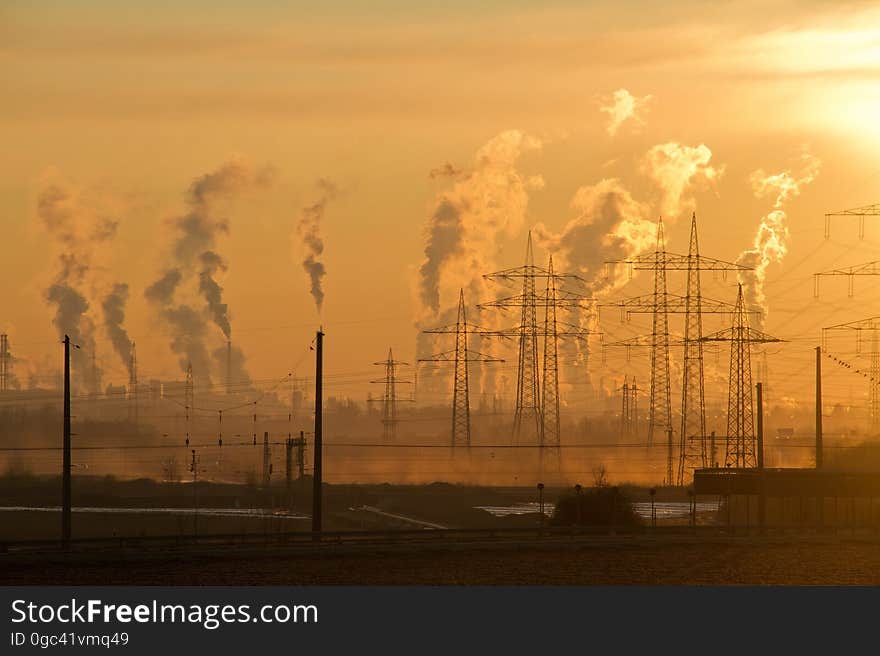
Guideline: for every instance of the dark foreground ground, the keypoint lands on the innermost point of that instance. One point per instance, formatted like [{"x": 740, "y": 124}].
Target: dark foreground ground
[{"x": 587, "y": 561}]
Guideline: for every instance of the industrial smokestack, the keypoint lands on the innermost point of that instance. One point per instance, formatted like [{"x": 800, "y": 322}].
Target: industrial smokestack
[{"x": 229, "y": 366}]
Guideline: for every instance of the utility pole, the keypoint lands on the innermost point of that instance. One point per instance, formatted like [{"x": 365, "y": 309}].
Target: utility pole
[
  {"x": 65, "y": 472},
  {"x": 818, "y": 407},
  {"x": 301, "y": 456},
  {"x": 266, "y": 464},
  {"x": 759, "y": 389},
  {"x": 288, "y": 464},
  {"x": 194, "y": 468},
  {"x": 317, "y": 472},
  {"x": 762, "y": 497}
]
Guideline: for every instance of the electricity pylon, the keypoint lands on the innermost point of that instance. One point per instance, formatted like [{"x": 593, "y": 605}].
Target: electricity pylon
[
  {"x": 861, "y": 212},
  {"x": 629, "y": 413},
  {"x": 692, "y": 442},
  {"x": 462, "y": 357},
  {"x": 553, "y": 299},
  {"x": 550, "y": 427},
  {"x": 740, "y": 450},
  {"x": 866, "y": 269},
  {"x": 872, "y": 326},
  {"x": 390, "y": 400},
  {"x": 527, "y": 419}
]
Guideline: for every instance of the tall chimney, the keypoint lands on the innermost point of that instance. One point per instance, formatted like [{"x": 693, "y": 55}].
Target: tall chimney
[{"x": 229, "y": 366}]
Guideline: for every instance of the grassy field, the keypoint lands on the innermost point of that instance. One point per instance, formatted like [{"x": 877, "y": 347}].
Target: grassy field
[{"x": 610, "y": 561}]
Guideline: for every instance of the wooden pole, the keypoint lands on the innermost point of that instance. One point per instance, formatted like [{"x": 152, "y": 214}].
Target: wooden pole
[{"x": 818, "y": 407}]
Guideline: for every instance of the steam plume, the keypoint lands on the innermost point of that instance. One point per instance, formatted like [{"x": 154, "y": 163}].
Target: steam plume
[
  {"x": 676, "y": 168},
  {"x": 771, "y": 238},
  {"x": 309, "y": 231},
  {"x": 610, "y": 225},
  {"x": 485, "y": 203}
]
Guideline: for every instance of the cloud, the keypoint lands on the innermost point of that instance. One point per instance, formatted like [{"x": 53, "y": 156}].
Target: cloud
[{"x": 621, "y": 106}]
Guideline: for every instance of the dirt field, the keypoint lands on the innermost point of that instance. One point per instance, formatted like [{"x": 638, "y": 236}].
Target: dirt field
[{"x": 633, "y": 561}]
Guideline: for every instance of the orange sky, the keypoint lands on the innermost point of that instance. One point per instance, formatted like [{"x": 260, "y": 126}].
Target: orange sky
[{"x": 127, "y": 106}]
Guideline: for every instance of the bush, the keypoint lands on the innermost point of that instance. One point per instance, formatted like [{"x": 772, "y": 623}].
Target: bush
[{"x": 599, "y": 506}]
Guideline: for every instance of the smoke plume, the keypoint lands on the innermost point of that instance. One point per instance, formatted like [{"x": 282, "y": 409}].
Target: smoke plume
[
  {"x": 238, "y": 374},
  {"x": 676, "y": 168},
  {"x": 485, "y": 203},
  {"x": 622, "y": 106},
  {"x": 609, "y": 225},
  {"x": 194, "y": 264},
  {"x": 309, "y": 231},
  {"x": 212, "y": 291},
  {"x": 771, "y": 238},
  {"x": 79, "y": 228},
  {"x": 113, "y": 306}
]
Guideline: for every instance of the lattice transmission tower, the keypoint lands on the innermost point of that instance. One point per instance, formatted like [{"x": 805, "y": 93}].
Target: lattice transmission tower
[
  {"x": 389, "y": 399},
  {"x": 740, "y": 449},
  {"x": 461, "y": 356},
  {"x": 550, "y": 427},
  {"x": 629, "y": 412},
  {"x": 692, "y": 435},
  {"x": 536, "y": 415},
  {"x": 872, "y": 327},
  {"x": 551, "y": 300}
]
